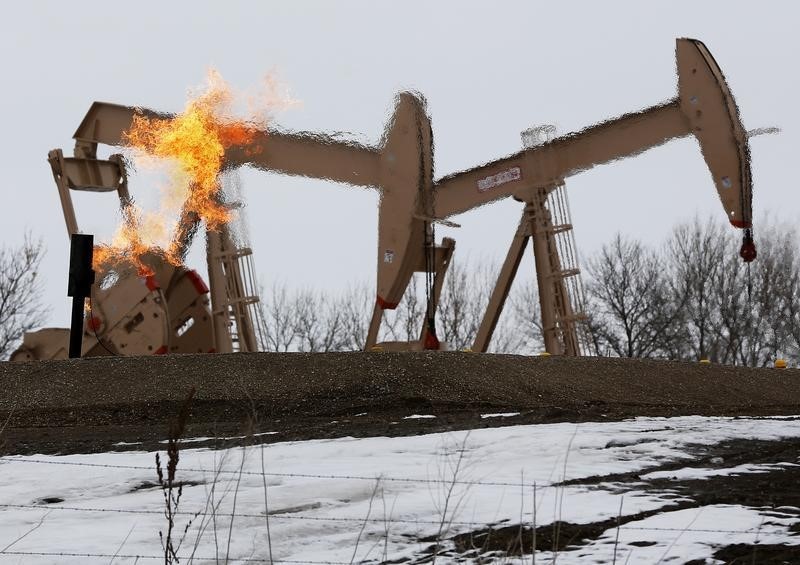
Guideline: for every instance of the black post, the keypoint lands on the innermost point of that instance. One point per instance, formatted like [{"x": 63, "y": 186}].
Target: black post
[{"x": 79, "y": 287}]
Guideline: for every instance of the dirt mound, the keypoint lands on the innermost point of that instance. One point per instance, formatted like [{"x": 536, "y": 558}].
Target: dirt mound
[{"x": 84, "y": 405}]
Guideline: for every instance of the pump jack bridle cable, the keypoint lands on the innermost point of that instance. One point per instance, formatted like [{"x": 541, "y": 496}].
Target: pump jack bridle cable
[
  {"x": 430, "y": 277},
  {"x": 746, "y": 203},
  {"x": 749, "y": 286}
]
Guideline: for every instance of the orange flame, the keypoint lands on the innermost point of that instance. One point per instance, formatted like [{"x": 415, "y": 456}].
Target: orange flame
[
  {"x": 195, "y": 142},
  {"x": 127, "y": 246}
]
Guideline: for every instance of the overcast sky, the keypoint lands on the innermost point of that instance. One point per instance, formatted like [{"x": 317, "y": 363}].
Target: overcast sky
[{"x": 487, "y": 69}]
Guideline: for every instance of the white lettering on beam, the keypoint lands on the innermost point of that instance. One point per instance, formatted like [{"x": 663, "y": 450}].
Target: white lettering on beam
[{"x": 492, "y": 181}]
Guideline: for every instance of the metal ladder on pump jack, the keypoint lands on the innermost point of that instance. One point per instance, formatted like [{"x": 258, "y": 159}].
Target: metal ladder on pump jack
[
  {"x": 564, "y": 277},
  {"x": 245, "y": 323}
]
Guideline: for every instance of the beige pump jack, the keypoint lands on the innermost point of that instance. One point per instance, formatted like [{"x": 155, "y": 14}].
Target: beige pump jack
[
  {"x": 411, "y": 201},
  {"x": 166, "y": 311}
]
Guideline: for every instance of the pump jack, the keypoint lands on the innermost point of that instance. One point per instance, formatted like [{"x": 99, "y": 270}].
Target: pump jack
[
  {"x": 164, "y": 311},
  {"x": 704, "y": 108},
  {"x": 412, "y": 202}
]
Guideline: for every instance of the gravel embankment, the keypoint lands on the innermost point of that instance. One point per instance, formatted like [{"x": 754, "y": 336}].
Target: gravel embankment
[{"x": 84, "y": 404}]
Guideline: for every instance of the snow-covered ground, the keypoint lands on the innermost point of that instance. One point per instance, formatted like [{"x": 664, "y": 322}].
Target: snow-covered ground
[{"x": 352, "y": 500}]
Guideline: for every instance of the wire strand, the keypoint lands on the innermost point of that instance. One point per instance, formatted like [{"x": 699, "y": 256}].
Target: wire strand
[
  {"x": 298, "y": 475},
  {"x": 302, "y": 517},
  {"x": 161, "y": 557}
]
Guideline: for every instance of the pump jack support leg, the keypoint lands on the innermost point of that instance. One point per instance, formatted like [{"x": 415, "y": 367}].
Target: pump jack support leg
[
  {"x": 502, "y": 286},
  {"x": 374, "y": 326}
]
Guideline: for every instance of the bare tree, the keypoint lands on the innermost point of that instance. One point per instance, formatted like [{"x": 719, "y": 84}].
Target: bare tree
[
  {"x": 757, "y": 301},
  {"x": 457, "y": 312},
  {"x": 520, "y": 326},
  {"x": 791, "y": 311},
  {"x": 21, "y": 308},
  {"x": 319, "y": 322},
  {"x": 732, "y": 303},
  {"x": 279, "y": 319},
  {"x": 405, "y": 322},
  {"x": 356, "y": 307},
  {"x": 628, "y": 294},
  {"x": 696, "y": 254},
  {"x": 465, "y": 296}
]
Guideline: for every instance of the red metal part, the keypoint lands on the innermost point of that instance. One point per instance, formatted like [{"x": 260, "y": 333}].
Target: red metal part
[
  {"x": 94, "y": 323},
  {"x": 432, "y": 342},
  {"x": 198, "y": 282},
  {"x": 748, "y": 250},
  {"x": 386, "y": 305}
]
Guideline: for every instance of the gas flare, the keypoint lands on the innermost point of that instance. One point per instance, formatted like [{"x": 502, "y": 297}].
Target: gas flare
[
  {"x": 128, "y": 245},
  {"x": 194, "y": 142}
]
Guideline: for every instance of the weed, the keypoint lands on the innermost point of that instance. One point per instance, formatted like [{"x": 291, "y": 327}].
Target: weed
[
  {"x": 445, "y": 524},
  {"x": 366, "y": 519},
  {"x": 616, "y": 537},
  {"x": 171, "y": 490}
]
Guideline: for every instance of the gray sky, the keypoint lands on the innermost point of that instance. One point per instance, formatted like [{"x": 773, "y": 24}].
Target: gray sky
[{"x": 487, "y": 69}]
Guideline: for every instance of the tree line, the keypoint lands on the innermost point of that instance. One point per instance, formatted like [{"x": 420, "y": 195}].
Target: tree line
[
  {"x": 318, "y": 321},
  {"x": 689, "y": 298}
]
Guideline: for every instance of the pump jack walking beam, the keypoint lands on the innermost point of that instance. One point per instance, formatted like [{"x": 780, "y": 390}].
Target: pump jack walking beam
[
  {"x": 402, "y": 167},
  {"x": 704, "y": 108}
]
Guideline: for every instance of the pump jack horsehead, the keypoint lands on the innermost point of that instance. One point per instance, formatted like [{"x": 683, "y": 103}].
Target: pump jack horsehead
[{"x": 411, "y": 202}]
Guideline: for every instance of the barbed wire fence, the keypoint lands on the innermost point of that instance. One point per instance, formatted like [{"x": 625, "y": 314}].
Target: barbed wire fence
[
  {"x": 295, "y": 516},
  {"x": 345, "y": 519},
  {"x": 383, "y": 478}
]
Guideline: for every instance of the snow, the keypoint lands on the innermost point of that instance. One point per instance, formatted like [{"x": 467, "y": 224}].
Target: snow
[
  {"x": 500, "y": 415},
  {"x": 685, "y": 535},
  {"x": 321, "y": 493},
  {"x": 702, "y": 473}
]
